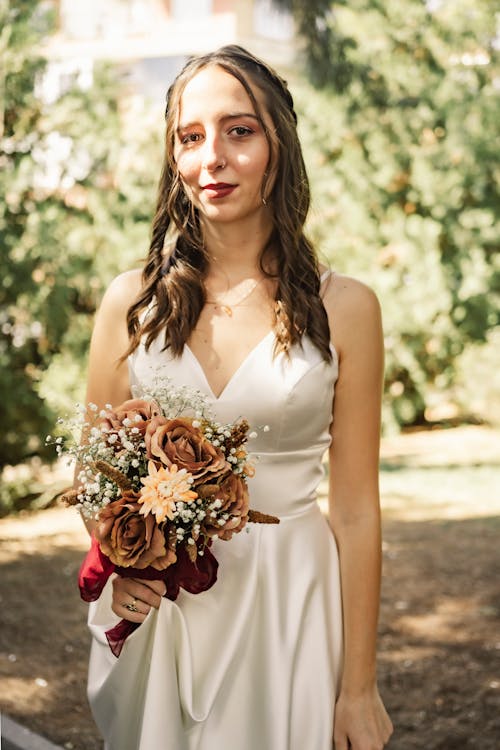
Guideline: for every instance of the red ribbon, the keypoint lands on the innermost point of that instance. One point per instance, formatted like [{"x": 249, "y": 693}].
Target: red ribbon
[{"x": 192, "y": 577}]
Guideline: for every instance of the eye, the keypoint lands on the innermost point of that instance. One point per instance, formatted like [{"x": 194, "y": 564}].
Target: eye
[
  {"x": 190, "y": 138},
  {"x": 241, "y": 130}
]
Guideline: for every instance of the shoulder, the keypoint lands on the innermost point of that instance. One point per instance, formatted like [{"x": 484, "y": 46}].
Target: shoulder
[
  {"x": 121, "y": 293},
  {"x": 348, "y": 295},
  {"x": 351, "y": 306}
]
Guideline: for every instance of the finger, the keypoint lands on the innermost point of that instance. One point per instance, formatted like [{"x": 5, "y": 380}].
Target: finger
[
  {"x": 126, "y": 602},
  {"x": 340, "y": 742},
  {"x": 133, "y": 598},
  {"x": 137, "y": 615},
  {"x": 145, "y": 593},
  {"x": 138, "y": 589},
  {"x": 159, "y": 587}
]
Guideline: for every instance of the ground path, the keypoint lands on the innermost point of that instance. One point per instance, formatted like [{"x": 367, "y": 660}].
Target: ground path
[{"x": 440, "y": 618}]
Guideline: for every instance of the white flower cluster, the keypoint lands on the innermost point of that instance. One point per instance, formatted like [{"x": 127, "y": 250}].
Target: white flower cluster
[
  {"x": 174, "y": 401},
  {"x": 191, "y": 514},
  {"x": 85, "y": 443}
]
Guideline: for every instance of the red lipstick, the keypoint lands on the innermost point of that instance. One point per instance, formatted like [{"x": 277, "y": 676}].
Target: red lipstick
[{"x": 218, "y": 189}]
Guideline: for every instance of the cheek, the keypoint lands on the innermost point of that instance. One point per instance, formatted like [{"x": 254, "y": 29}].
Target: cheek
[
  {"x": 189, "y": 167},
  {"x": 253, "y": 165}
]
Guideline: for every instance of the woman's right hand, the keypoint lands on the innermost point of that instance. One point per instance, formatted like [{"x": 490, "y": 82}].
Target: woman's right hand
[{"x": 137, "y": 593}]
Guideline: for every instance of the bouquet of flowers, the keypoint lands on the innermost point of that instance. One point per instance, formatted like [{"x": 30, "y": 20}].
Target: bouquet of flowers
[{"x": 162, "y": 478}]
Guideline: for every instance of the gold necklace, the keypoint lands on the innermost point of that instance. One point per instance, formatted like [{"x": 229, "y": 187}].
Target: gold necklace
[{"x": 228, "y": 308}]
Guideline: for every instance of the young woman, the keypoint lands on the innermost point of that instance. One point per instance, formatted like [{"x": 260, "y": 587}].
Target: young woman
[{"x": 280, "y": 653}]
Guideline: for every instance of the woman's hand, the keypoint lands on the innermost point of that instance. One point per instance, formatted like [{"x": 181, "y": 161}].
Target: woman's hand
[
  {"x": 361, "y": 722},
  {"x": 139, "y": 594}
]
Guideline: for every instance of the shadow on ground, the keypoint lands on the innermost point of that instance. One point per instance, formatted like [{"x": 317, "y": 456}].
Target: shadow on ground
[
  {"x": 439, "y": 636},
  {"x": 440, "y": 633}
]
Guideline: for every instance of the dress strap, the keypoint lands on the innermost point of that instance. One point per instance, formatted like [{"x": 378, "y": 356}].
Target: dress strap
[{"x": 326, "y": 274}]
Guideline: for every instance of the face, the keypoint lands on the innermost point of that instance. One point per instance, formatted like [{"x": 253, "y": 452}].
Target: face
[{"x": 220, "y": 147}]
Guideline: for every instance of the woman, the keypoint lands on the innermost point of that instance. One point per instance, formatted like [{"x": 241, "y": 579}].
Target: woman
[{"x": 280, "y": 653}]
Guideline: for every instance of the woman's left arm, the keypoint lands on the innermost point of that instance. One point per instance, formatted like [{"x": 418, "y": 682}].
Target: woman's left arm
[{"x": 361, "y": 721}]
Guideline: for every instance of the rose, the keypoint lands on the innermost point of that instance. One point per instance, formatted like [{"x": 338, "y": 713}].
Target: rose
[
  {"x": 130, "y": 410},
  {"x": 176, "y": 441},
  {"x": 130, "y": 539},
  {"x": 232, "y": 492}
]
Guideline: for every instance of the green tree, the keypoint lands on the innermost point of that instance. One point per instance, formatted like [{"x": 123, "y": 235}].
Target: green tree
[
  {"x": 74, "y": 214},
  {"x": 402, "y": 131}
]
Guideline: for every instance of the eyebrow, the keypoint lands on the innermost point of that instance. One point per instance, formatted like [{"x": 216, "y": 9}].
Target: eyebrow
[{"x": 231, "y": 116}]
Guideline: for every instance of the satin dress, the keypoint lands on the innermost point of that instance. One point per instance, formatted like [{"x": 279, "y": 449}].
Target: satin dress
[{"x": 254, "y": 663}]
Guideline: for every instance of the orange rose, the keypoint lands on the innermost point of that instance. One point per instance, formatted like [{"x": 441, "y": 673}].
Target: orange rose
[
  {"x": 232, "y": 492},
  {"x": 130, "y": 539},
  {"x": 176, "y": 441}
]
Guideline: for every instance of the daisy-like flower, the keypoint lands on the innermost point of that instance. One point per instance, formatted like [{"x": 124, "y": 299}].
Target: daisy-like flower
[{"x": 163, "y": 488}]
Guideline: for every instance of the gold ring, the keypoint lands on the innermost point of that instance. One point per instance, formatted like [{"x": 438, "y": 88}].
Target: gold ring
[{"x": 131, "y": 606}]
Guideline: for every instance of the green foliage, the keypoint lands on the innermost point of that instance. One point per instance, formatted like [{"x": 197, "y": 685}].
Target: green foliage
[
  {"x": 401, "y": 142},
  {"x": 402, "y": 147},
  {"x": 75, "y": 213}
]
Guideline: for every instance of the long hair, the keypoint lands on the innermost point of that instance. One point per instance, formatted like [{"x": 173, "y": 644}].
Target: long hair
[{"x": 177, "y": 262}]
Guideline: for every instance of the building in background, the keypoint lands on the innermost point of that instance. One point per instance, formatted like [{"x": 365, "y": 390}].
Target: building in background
[{"x": 151, "y": 39}]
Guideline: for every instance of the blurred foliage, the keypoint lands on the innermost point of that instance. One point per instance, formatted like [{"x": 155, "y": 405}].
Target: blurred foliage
[
  {"x": 400, "y": 125},
  {"x": 402, "y": 142},
  {"x": 75, "y": 213}
]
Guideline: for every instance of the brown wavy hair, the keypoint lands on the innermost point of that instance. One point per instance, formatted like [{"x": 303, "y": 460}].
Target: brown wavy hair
[{"x": 173, "y": 292}]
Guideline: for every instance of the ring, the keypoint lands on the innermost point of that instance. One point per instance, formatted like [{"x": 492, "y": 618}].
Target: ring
[{"x": 131, "y": 606}]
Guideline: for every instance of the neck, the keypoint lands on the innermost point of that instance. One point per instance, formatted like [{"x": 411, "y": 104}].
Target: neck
[{"x": 236, "y": 249}]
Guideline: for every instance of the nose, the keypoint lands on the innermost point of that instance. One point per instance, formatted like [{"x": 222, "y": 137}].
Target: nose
[{"x": 213, "y": 156}]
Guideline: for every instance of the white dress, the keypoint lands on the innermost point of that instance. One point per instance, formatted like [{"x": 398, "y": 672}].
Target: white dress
[{"x": 254, "y": 662}]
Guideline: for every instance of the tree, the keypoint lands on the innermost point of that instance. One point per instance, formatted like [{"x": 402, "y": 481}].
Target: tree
[
  {"x": 74, "y": 214},
  {"x": 401, "y": 131}
]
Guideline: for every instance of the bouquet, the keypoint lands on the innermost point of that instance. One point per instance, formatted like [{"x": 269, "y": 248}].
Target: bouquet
[{"x": 162, "y": 478}]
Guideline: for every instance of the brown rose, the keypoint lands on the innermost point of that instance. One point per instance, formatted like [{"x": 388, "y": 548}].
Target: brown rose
[
  {"x": 130, "y": 539},
  {"x": 176, "y": 441},
  {"x": 232, "y": 491},
  {"x": 131, "y": 409}
]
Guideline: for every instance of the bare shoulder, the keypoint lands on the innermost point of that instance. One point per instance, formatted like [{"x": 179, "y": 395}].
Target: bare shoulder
[
  {"x": 349, "y": 295},
  {"x": 351, "y": 306},
  {"x": 124, "y": 288},
  {"x": 121, "y": 293}
]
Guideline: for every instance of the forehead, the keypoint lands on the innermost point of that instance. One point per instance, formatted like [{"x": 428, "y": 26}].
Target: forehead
[{"x": 214, "y": 90}]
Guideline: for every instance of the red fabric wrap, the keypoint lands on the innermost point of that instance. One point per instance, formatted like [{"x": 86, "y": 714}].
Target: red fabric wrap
[{"x": 192, "y": 577}]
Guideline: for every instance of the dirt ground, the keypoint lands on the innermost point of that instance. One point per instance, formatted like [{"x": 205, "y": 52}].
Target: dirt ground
[{"x": 440, "y": 618}]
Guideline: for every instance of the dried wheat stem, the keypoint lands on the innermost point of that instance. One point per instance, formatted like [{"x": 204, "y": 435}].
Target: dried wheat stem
[
  {"x": 255, "y": 516},
  {"x": 115, "y": 475},
  {"x": 70, "y": 497}
]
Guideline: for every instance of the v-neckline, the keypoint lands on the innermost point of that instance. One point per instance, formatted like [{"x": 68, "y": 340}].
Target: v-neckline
[{"x": 235, "y": 373}]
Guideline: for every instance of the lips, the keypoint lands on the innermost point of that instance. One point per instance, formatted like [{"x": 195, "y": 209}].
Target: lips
[{"x": 218, "y": 189}]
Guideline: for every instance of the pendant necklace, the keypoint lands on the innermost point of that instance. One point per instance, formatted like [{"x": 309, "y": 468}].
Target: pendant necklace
[{"x": 227, "y": 308}]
